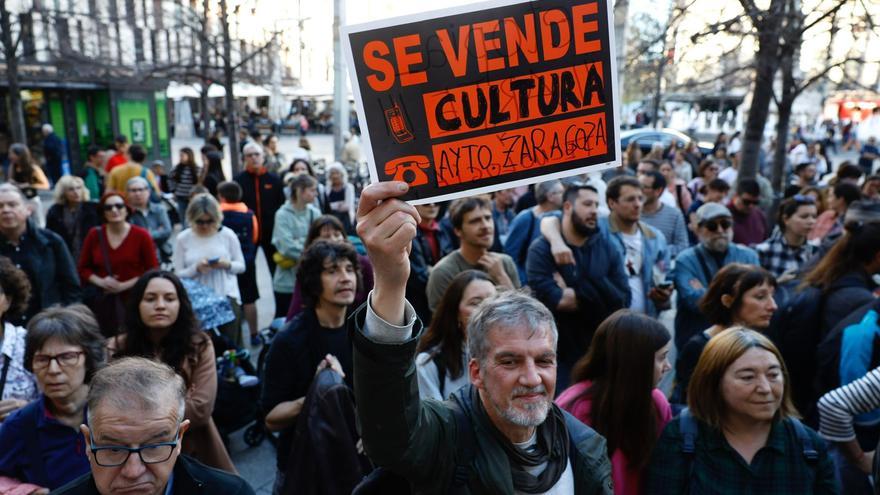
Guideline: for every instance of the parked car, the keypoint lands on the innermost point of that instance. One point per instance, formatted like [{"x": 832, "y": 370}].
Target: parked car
[{"x": 646, "y": 137}]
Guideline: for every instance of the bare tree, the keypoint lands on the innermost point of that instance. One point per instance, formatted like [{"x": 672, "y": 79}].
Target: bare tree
[{"x": 10, "y": 57}]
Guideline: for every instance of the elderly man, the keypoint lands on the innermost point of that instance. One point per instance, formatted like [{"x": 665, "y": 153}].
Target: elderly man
[
  {"x": 135, "y": 433},
  {"x": 151, "y": 216},
  {"x": 696, "y": 266},
  {"x": 262, "y": 192},
  {"x": 41, "y": 253},
  {"x": 521, "y": 442},
  {"x": 53, "y": 152}
]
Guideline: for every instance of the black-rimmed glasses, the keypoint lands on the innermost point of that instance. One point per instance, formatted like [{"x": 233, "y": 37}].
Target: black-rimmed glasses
[
  {"x": 64, "y": 359},
  {"x": 117, "y": 455}
]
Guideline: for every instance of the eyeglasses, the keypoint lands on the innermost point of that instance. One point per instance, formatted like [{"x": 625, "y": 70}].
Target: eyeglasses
[
  {"x": 64, "y": 359},
  {"x": 804, "y": 198},
  {"x": 114, "y": 206},
  {"x": 713, "y": 225},
  {"x": 117, "y": 455},
  {"x": 202, "y": 221}
]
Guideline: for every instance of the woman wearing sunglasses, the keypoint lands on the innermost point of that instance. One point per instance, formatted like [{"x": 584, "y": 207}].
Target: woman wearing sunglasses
[
  {"x": 786, "y": 251},
  {"x": 211, "y": 254},
  {"x": 40, "y": 444},
  {"x": 113, "y": 256}
]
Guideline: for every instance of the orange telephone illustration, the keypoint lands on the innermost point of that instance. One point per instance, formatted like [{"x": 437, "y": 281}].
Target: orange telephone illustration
[
  {"x": 397, "y": 124},
  {"x": 409, "y": 169}
]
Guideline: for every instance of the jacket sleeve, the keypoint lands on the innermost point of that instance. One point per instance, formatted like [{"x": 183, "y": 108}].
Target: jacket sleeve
[
  {"x": 148, "y": 252},
  {"x": 236, "y": 258},
  {"x": 164, "y": 232},
  {"x": 202, "y": 387},
  {"x": 66, "y": 277},
  {"x": 418, "y": 261},
  {"x": 178, "y": 258},
  {"x": 400, "y": 432},
  {"x": 516, "y": 241},
  {"x": 284, "y": 236},
  {"x": 686, "y": 270},
  {"x": 616, "y": 286},
  {"x": 540, "y": 268}
]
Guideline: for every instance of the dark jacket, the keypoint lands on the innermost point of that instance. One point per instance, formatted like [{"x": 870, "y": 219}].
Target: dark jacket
[
  {"x": 264, "y": 194},
  {"x": 417, "y": 439},
  {"x": 323, "y": 458},
  {"x": 86, "y": 218},
  {"x": 420, "y": 260},
  {"x": 190, "y": 478},
  {"x": 51, "y": 270},
  {"x": 847, "y": 294}
]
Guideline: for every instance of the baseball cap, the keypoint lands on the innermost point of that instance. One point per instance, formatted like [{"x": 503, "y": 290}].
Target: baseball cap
[{"x": 710, "y": 211}]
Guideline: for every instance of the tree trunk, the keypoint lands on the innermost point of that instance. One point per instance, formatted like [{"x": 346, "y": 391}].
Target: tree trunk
[
  {"x": 232, "y": 121},
  {"x": 786, "y": 66},
  {"x": 766, "y": 61},
  {"x": 206, "y": 82},
  {"x": 14, "y": 105}
]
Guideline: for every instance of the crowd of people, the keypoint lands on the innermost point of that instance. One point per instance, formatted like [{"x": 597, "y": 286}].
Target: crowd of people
[{"x": 503, "y": 343}]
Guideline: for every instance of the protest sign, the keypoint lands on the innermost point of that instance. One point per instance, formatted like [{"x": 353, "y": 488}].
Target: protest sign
[{"x": 483, "y": 97}]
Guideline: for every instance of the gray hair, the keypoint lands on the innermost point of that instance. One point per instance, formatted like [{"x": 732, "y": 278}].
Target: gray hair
[
  {"x": 137, "y": 179},
  {"x": 252, "y": 147},
  {"x": 507, "y": 309},
  {"x": 48, "y": 129},
  {"x": 136, "y": 382},
  {"x": 6, "y": 187},
  {"x": 337, "y": 167},
  {"x": 203, "y": 204},
  {"x": 542, "y": 190}
]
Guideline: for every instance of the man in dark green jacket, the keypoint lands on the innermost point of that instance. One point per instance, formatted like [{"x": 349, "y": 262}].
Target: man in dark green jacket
[{"x": 522, "y": 442}]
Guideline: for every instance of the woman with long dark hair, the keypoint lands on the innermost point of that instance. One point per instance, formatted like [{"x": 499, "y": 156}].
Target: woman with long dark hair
[
  {"x": 160, "y": 324},
  {"x": 844, "y": 273},
  {"x": 442, "y": 357},
  {"x": 615, "y": 392},
  {"x": 212, "y": 172},
  {"x": 184, "y": 176}
]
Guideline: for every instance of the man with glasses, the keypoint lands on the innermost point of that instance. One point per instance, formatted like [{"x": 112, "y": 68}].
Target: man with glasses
[
  {"x": 40, "y": 253},
  {"x": 695, "y": 267},
  {"x": 151, "y": 216},
  {"x": 262, "y": 192},
  {"x": 134, "y": 436},
  {"x": 749, "y": 222}
]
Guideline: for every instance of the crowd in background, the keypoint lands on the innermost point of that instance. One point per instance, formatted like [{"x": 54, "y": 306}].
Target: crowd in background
[{"x": 775, "y": 316}]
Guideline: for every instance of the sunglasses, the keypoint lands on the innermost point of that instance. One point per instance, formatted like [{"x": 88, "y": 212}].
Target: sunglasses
[
  {"x": 713, "y": 225},
  {"x": 114, "y": 206}
]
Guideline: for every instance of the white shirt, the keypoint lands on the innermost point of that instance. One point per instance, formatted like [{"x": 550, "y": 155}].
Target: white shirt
[
  {"x": 633, "y": 266},
  {"x": 729, "y": 175},
  {"x": 190, "y": 249},
  {"x": 668, "y": 199}
]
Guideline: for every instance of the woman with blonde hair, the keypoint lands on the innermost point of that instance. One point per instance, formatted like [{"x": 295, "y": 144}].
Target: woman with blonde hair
[
  {"x": 740, "y": 433},
  {"x": 72, "y": 214}
]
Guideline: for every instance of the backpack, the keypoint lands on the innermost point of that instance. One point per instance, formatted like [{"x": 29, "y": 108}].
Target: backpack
[
  {"x": 796, "y": 329},
  {"x": 864, "y": 325},
  {"x": 687, "y": 425},
  {"x": 243, "y": 225},
  {"x": 382, "y": 481}
]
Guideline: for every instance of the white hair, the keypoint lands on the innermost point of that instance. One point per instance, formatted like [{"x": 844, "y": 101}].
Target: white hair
[
  {"x": 47, "y": 128},
  {"x": 337, "y": 167},
  {"x": 252, "y": 147}
]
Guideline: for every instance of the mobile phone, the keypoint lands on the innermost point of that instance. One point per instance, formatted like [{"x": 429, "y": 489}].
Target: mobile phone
[
  {"x": 213, "y": 261},
  {"x": 665, "y": 285}
]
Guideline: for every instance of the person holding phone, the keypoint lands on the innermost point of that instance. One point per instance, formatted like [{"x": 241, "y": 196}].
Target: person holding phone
[{"x": 211, "y": 254}]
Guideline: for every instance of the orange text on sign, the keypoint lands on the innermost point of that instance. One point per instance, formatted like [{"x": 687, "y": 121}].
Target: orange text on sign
[
  {"x": 494, "y": 44},
  {"x": 488, "y": 105},
  {"x": 520, "y": 150}
]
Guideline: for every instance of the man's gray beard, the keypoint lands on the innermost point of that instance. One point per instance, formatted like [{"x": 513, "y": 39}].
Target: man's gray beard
[
  {"x": 713, "y": 245},
  {"x": 534, "y": 415}
]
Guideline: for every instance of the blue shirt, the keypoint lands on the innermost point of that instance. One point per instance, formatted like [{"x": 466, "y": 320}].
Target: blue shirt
[{"x": 50, "y": 455}]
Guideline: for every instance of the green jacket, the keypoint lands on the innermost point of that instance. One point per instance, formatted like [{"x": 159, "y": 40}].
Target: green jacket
[{"x": 417, "y": 439}]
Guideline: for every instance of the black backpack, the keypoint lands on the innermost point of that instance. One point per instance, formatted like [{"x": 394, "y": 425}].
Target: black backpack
[
  {"x": 796, "y": 329},
  {"x": 381, "y": 481}
]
